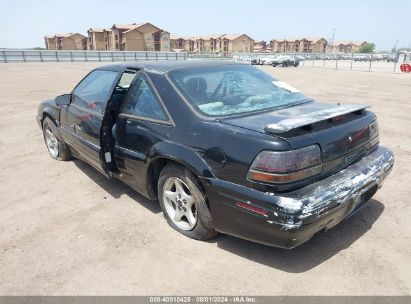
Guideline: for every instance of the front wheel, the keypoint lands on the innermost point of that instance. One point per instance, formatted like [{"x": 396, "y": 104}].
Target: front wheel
[
  {"x": 184, "y": 203},
  {"x": 57, "y": 148}
]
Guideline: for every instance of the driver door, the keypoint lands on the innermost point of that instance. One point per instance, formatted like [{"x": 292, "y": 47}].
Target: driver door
[{"x": 81, "y": 120}]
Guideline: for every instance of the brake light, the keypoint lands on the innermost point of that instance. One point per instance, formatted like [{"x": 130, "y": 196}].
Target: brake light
[{"x": 286, "y": 166}]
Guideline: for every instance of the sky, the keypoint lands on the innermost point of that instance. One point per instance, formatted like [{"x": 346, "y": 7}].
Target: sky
[{"x": 25, "y": 23}]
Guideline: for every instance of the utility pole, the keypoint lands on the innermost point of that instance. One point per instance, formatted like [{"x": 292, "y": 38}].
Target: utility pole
[
  {"x": 332, "y": 40},
  {"x": 395, "y": 46}
]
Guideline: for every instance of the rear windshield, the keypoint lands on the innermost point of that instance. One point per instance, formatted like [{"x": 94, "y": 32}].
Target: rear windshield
[{"x": 233, "y": 89}]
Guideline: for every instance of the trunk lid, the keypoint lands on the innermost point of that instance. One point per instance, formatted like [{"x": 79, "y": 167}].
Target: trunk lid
[{"x": 342, "y": 131}]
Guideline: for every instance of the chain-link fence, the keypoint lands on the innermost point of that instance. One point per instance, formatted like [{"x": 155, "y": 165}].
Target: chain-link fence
[
  {"x": 355, "y": 61},
  {"x": 192, "y": 56}
]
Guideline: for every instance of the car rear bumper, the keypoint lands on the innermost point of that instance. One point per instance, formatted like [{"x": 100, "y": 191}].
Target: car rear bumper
[{"x": 289, "y": 219}]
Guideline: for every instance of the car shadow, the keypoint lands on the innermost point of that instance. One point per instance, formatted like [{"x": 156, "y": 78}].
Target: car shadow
[
  {"x": 116, "y": 188},
  {"x": 303, "y": 258},
  {"x": 312, "y": 253}
]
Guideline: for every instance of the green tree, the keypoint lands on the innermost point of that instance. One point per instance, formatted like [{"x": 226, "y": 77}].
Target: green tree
[{"x": 367, "y": 48}]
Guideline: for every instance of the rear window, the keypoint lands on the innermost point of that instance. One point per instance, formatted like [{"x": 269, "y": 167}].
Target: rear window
[{"x": 233, "y": 89}]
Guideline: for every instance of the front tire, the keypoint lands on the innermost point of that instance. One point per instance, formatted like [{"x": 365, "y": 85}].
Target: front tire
[
  {"x": 57, "y": 148},
  {"x": 184, "y": 203}
]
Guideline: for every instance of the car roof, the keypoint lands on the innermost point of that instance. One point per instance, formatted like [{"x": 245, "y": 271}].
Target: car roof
[{"x": 163, "y": 66}]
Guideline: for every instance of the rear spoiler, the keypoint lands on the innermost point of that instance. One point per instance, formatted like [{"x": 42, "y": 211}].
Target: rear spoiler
[{"x": 288, "y": 124}]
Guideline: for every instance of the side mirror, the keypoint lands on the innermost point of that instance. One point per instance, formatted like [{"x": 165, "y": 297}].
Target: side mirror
[{"x": 63, "y": 100}]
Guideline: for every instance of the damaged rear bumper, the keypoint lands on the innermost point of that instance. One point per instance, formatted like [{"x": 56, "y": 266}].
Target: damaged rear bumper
[{"x": 289, "y": 219}]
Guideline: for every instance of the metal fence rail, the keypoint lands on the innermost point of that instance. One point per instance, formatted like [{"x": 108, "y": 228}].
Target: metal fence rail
[
  {"x": 337, "y": 61},
  {"x": 92, "y": 56}
]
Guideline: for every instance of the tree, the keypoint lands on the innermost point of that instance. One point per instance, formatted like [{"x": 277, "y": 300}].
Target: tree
[{"x": 367, "y": 48}]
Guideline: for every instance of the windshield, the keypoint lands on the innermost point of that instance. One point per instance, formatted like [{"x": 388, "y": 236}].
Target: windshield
[{"x": 233, "y": 89}]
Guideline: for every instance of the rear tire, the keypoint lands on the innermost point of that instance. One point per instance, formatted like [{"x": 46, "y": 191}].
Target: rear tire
[
  {"x": 184, "y": 203},
  {"x": 56, "y": 147}
]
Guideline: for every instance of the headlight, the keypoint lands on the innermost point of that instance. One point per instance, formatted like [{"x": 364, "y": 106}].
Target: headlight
[{"x": 286, "y": 166}]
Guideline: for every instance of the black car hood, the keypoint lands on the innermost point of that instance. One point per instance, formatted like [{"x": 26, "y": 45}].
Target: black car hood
[{"x": 286, "y": 119}]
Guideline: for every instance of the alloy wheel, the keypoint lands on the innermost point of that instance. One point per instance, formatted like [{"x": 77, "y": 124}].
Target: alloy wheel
[
  {"x": 52, "y": 142},
  {"x": 179, "y": 203}
]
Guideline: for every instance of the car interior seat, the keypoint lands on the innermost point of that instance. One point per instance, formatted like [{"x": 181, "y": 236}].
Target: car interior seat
[{"x": 197, "y": 89}]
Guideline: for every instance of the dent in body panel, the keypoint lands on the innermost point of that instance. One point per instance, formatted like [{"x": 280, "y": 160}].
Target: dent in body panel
[
  {"x": 343, "y": 190},
  {"x": 346, "y": 186}
]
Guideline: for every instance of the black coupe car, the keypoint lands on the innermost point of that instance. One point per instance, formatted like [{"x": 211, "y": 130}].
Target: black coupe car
[{"x": 224, "y": 147}]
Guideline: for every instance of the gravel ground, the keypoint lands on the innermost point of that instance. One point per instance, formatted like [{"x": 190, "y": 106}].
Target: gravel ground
[{"x": 66, "y": 230}]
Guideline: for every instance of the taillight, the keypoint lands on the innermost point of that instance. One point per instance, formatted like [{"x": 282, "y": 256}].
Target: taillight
[{"x": 286, "y": 166}]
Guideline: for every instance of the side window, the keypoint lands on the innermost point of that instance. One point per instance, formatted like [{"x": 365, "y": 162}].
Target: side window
[
  {"x": 126, "y": 79},
  {"x": 122, "y": 87},
  {"x": 93, "y": 91},
  {"x": 142, "y": 101}
]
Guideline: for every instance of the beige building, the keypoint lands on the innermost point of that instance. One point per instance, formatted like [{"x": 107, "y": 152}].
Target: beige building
[
  {"x": 70, "y": 41},
  {"x": 317, "y": 45},
  {"x": 136, "y": 37},
  {"x": 95, "y": 39},
  {"x": 208, "y": 44},
  {"x": 299, "y": 45},
  {"x": 346, "y": 46},
  {"x": 182, "y": 43},
  {"x": 74, "y": 41},
  {"x": 237, "y": 43},
  {"x": 260, "y": 47},
  {"x": 213, "y": 44}
]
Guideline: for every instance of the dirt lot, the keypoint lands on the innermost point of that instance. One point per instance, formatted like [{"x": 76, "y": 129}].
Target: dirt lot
[{"x": 65, "y": 229}]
